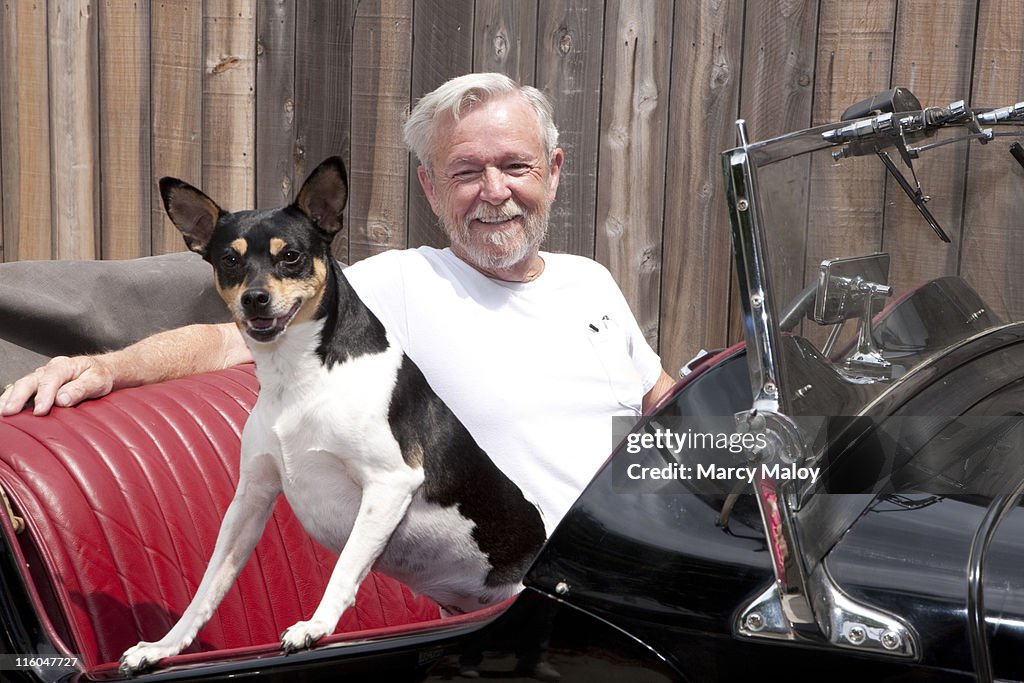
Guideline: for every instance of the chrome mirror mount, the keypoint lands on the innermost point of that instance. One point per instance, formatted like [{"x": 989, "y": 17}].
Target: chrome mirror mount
[{"x": 848, "y": 288}]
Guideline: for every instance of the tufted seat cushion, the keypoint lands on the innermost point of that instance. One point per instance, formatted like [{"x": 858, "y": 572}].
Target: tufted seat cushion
[{"x": 122, "y": 499}]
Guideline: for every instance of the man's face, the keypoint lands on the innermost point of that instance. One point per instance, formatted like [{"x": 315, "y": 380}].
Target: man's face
[{"x": 493, "y": 185}]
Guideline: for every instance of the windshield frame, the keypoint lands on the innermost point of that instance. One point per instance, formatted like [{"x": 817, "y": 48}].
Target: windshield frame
[
  {"x": 801, "y": 527},
  {"x": 751, "y": 232}
]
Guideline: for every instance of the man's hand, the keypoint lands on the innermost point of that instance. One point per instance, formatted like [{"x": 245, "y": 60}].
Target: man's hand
[{"x": 64, "y": 381}]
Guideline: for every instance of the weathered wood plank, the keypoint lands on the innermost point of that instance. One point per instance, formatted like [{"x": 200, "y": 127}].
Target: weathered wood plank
[
  {"x": 229, "y": 102},
  {"x": 379, "y": 172},
  {"x": 27, "y": 137},
  {"x": 506, "y": 38},
  {"x": 25, "y": 132},
  {"x": 944, "y": 32},
  {"x": 442, "y": 49},
  {"x": 124, "y": 130},
  {"x": 323, "y": 85},
  {"x": 855, "y": 45},
  {"x": 177, "y": 88},
  {"x": 73, "y": 128},
  {"x": 992, "y": 259},
  {"x": 275, "y": 102},
  {"x": 778, "y": 72},
  {"x": 631, "y": 180},
  {"x": 569, "y": 55},
  {"x": 696, "y": 255},
  {"x": 778, "y": 66}
]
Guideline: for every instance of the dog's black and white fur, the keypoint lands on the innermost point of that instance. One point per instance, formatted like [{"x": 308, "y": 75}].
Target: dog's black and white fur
[{"x": 373, "y": 463}]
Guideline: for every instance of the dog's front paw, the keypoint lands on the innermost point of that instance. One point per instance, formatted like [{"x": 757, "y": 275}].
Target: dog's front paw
[
  {"x": 302, "y": 635},
  {"x": 143, "y": 656}
]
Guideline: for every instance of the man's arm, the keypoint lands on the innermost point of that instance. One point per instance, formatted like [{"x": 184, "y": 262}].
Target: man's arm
[
  {"x": 65, "y": 381},
  {"x": 664, "y": 383}
]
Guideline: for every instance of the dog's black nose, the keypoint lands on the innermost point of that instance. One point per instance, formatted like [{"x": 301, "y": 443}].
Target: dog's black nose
[{"x": 255, "y": 299}]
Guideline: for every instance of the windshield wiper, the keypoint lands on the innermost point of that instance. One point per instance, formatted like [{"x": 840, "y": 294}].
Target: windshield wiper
[
  {"x": 915, "y": 194},
  {"x": 898, "y": 116}
]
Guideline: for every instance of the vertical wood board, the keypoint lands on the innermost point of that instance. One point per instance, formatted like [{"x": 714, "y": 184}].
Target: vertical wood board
[
  {"x": 696, "y": 261},
  {"x": 71, "y": 29},
  {"x": 379, "y": 172},
  {"x": 276, "y": 43},
  {"x": 229, "y": 102},
  {"x": 631, "y": 182},
  {"x": 442, "y": 48},
  {"x": 176, "y": 72},
  {"x": 569, "y": 51},
  {"x": 124, "y": 120}
]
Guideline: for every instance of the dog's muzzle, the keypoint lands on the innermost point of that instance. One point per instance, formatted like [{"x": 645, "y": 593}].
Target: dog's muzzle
[{"x": 262, "y": 322}]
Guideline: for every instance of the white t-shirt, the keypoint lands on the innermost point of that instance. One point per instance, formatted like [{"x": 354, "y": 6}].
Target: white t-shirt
[{"x": 534, "y": 370}]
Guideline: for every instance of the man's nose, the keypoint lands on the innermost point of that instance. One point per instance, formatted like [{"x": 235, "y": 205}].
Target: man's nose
[{"x": 494, "y": 186}]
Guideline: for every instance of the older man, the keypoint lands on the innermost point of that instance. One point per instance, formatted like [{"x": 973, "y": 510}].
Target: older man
[{"x": 534, "y": 351}]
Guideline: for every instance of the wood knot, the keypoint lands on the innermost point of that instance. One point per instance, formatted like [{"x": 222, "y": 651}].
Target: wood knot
[
  {"x": 500, "y": 45},
  {"x": 565, "y": 42},
  {"x": 226, "y": 64}
]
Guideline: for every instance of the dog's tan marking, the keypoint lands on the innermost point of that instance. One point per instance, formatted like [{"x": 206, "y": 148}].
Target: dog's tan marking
[
  {"x": 314, "y": 287},
  {"x": 231, "y": 296},
  {"x": 414, "y": 456},
  {"x": 240, "y": 245},
  {"x": 277, "y": 245}
]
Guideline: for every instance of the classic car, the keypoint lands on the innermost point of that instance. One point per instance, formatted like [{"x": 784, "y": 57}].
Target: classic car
[{"x": 837, "y": 496}]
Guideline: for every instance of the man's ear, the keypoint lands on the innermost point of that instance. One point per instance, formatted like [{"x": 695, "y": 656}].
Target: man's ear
[
  {"x": 427, "y": 183},
  {"x": 555, "y": 171},
  {"x": 324, "y": 194},
  {"x": 191, "y": 211}
]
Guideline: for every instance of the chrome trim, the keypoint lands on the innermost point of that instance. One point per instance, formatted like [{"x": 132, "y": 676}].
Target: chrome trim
[
  {"x": 750, "y": 253},
  {"x": 977, "y": 632},
  {"x": 840, "y": 622},
  {"x": 784, "y": 445},
  {"x": 926, "y": 364}
]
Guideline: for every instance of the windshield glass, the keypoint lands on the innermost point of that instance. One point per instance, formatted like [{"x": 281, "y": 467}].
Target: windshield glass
[{"x": 863, "y": 286}]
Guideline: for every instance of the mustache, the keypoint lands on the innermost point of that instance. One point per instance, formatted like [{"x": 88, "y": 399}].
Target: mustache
[{"x": 507, "y": 211}]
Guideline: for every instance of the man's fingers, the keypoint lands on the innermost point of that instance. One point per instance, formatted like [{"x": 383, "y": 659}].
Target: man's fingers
[
  {"x": 63, "y": 381},
  {"x": 16, "y": 395},
  {"x": 88, "y": 385}
]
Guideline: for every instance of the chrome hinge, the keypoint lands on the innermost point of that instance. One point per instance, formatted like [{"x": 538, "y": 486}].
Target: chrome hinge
[{"x": 840, "y": 620}]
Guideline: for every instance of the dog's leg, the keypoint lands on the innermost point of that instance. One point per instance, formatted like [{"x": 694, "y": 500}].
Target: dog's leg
[
  {"x": 384, "y": 503},
  {"x": 247, "y": 515}
]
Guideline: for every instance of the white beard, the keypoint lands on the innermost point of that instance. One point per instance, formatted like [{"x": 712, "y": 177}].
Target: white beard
[{"x": 501, "y": 248}]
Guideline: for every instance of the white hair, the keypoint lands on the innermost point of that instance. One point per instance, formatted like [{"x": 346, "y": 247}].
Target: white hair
[{"x": 462, "y": 93}]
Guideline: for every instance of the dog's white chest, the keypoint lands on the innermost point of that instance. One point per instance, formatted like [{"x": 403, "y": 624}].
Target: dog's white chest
[{"x": 326, "y": 429}]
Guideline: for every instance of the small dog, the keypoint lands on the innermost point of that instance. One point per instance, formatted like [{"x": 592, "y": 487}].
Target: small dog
[{"x": 374, "y": 464}]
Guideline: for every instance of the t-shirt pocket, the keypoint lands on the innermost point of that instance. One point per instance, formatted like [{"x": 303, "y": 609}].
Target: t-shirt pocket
[{"x": 611, "y": 346}]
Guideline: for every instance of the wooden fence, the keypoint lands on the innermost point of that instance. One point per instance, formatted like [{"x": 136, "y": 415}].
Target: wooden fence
[{"x": 98, "y": 98}]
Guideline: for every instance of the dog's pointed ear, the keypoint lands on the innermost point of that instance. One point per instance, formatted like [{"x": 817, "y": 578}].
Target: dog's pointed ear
[
  {"x": 324, "y": 194},
  {"x": 191, "y": 211}
]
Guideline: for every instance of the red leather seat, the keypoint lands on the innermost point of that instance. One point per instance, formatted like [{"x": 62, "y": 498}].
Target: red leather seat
[{"x": 123, "y": 498}]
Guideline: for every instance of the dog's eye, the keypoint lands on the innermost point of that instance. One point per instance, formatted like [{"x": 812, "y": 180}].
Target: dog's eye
[
  {"x": 229, "y": 259},
  {"x": 291, "y": 256}
]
